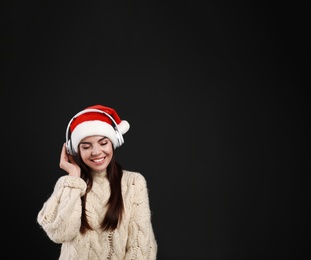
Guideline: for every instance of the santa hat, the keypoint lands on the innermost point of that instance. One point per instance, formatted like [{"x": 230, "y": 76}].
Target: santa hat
[{"x": 96, "y": 120}]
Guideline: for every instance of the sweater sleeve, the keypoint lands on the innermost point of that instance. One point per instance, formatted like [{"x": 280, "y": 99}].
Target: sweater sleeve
[
  {"x": 141, "y": 244},
  {"x": 60, "y": 216}
]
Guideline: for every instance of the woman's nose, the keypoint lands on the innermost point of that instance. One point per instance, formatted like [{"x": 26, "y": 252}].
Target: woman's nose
[{"x": 95, "y": 150}]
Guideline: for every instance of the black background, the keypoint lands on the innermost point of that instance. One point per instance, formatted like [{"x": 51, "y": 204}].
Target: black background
[{"x": 217, "y": 110}]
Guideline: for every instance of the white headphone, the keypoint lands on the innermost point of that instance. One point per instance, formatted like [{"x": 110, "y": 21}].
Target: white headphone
[{"x": 119, "y": 135}]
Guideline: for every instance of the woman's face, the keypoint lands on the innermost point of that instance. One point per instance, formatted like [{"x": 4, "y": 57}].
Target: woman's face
[{"x": 96, "y": 152}]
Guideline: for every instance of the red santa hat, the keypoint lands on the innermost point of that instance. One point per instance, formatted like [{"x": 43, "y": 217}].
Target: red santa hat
[{"x": 95, "y": 120}]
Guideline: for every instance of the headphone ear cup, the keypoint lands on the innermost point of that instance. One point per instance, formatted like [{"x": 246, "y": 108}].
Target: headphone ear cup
[
  {"x": 68, "y": 147},
  {"x": 119, "y": 138}
]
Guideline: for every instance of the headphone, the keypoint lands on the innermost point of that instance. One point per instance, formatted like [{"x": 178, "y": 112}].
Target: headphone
[{"x": 69, "y": 147}]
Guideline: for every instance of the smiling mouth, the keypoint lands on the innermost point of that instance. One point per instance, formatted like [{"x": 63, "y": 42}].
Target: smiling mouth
[{"x": 98, "y": 160}]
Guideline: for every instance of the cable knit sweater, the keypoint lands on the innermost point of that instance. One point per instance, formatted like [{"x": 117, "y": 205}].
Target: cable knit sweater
[{"x": 60, "y": 218}]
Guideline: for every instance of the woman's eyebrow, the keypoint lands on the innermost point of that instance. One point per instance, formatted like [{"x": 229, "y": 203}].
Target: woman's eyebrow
[
  {"x": 101, "y": 139},
  {"x": 85, "y": 142}
]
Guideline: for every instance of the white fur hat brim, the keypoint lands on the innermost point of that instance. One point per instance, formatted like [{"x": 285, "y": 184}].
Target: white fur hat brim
[{"x": 97, "y": 127}]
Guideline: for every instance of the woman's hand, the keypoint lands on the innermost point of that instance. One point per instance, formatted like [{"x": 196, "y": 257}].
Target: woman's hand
[{"x": 68, "y": 163}]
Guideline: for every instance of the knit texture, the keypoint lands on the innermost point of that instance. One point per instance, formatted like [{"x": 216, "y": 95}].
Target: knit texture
[{"x": 60, "y": 218}]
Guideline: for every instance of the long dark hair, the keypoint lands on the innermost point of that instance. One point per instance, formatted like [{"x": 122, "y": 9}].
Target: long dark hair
[{"x": 115, "y": 202}]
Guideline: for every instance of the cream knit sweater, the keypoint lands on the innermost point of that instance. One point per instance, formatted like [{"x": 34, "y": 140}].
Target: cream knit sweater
[{"x": 60, "y": 218}]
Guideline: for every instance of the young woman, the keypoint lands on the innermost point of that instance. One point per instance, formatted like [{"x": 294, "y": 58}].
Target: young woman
[{"x": 98, "y": 210}]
